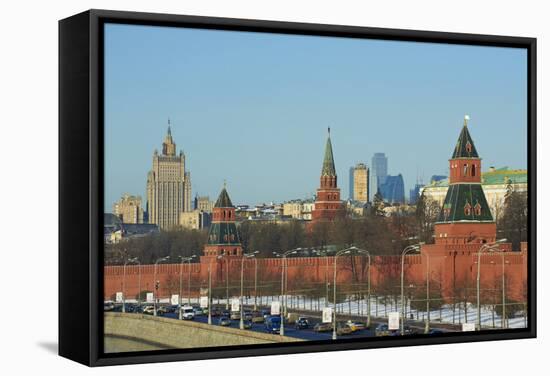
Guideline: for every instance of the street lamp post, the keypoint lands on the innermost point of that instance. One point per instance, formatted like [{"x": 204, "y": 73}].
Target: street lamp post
[
  {"x": 283, "y": 300},
  {"x": 139, "y": 283},
  {"x": 225, "y": 256},
  {"x": 492, "y": 247},
  {"x": 365, "y": 252},
  {"x": 341, "y": 252},
  {"x": 209, "y": 293},
  {"x": 155, "y": 282},
  {"x": 327, "y": 283},
  {"x": 406, "y": 250},
  {"x": 255, "y": 283},
  {"x": 124, "y": 282},
  {"x": 427, "y": 323},
  {"x": 245, "y": 256},
  {"x": 182, "y": 260}
]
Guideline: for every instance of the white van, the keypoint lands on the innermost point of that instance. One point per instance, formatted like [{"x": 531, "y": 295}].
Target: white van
[{"x": 187, "y": 313}]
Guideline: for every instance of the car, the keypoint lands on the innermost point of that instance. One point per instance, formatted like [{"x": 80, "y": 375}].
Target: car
[
  {"x": 356, "y": 325},
  {"x": 148, "y": 310},
  {"x": 273, "y": 324},
  {"x": 323, "y": 327},
  {"x": 235, "y": 315},
  {"x": 108, "y": 306},
  {"x": 224, "y": 321},
  {"x": 247, "y": 324},
  {"x": 343, "y": 328},
  {"x": 382, "y": 330},
  {"x": 216, "y": 312},
  {"x": 257, "y": 316},
  {"x": 247, "y": 315},
  {"x": 301, "y": 323},
  {"x": 265, "y": 313},
  {"x": 162, "y": 310},
  {"x": 434, "y": 332},
  {"x": 198, "y": 311},
  {"x": 187, "y": 313}
]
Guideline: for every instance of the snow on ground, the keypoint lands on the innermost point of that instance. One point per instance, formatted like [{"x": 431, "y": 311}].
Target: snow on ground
[{"x": 380, "y": 310}]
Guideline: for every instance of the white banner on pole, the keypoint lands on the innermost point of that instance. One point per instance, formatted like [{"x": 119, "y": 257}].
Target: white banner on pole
[
  {"x": 149, "y": 297},
  {"x": 175, "y": 299},
  {"x": 275, "y": 307},
  {"x": 204, "y": 301},
  {"x": 327, "y": 314},
  {"x": 235, "y": 306},
  {"x": 118, "y": 297},
  {"x": 468, "y": 327},
  {"x": 393, "y": 320}
]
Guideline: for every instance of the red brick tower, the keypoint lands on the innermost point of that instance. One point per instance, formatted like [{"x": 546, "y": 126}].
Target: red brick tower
[
  {"x": 327, "y": 203},
  {"x": 223, "y": 237},
  {"x": 465, "y": 217}
]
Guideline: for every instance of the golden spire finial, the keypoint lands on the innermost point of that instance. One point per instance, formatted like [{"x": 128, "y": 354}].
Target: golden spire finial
[
  {"x": 466, "y": 119},
  {"x": 224, "y": 183}
]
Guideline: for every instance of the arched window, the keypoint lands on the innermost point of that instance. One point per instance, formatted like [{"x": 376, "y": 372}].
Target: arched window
[
  {"x": 468, "y": 147},
  {"x": 473, "y": 170},
  {"x": 465, "y": 170}
]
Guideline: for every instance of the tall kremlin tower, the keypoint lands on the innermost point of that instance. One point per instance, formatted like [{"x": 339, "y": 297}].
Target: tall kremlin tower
[
  {"x": 223, "y": 237},
  {"x": 328, "y": 205},
  {"x": 465, "y": 217}
]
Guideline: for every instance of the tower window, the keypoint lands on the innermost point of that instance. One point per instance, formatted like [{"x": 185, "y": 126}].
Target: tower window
[
  {"x": 465, "y": 170},
  {"x": 467, "y": 209},
  {"x": 468, "y": 147},
  {"x": 473, "y": 170},
  {"x": 477, "y": 209}
]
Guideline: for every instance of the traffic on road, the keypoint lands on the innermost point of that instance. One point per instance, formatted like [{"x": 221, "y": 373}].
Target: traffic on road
[{"x": 301, "y": 326}]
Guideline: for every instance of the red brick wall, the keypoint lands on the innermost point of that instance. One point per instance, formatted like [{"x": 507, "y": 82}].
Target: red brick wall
[{"x": 455, "y": 267}]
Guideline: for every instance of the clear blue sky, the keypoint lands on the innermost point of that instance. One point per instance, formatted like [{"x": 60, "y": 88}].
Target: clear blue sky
[{"x": 254, "y": 108}]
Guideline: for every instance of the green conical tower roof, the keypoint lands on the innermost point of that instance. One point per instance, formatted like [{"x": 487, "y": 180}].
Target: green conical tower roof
[
  {"x": 223, "y": 200},
  {"x": 465, "y": 145},
  {"x": 328, "y": 161}
]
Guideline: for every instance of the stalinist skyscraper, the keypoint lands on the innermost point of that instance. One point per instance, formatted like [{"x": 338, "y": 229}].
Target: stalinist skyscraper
[{"x": 168, "y": 186}]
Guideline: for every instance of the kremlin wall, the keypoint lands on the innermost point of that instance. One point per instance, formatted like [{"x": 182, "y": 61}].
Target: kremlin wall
[{"x": 464, "y": 226}]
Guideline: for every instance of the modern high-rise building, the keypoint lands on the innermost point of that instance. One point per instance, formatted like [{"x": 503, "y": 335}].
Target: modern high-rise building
[
  {"x": 128, "y": 209},
  {"x": 393, "y": 189},
  {"x": 414, "y": 194},
  {"x": 168, "y": 186},
  {"x": 360, "y": 183},
  {"x": 328, "y": 205},
  {"x": 378, "y": 173}
]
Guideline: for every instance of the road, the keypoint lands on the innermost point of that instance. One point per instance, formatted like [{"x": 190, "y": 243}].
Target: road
[{"x": 305, "y": 334}]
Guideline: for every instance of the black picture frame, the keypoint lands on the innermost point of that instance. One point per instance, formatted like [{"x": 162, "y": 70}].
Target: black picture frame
[{"x": 81, "y": 183}]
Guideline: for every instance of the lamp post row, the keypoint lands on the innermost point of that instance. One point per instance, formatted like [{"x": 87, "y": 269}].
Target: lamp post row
[{"x": 489, "y": 247}]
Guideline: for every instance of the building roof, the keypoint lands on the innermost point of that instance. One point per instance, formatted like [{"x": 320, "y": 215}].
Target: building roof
[
  {"x": 494, "y": 177},
  {"x": 223, "y": 200},
  {"x": 465, "y": 145},
  {"x": 465, "y": 202},
  {"x": 328, "y": 161},
  {"x": 223, "y": 233},
  {"x": 504, "y": 176}
]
